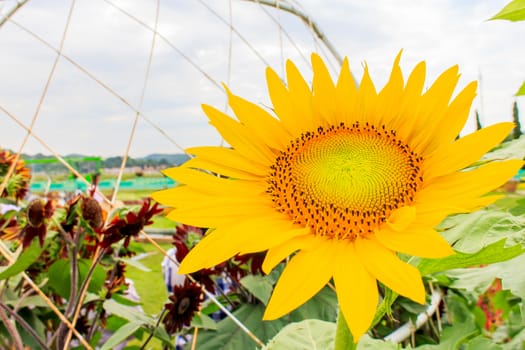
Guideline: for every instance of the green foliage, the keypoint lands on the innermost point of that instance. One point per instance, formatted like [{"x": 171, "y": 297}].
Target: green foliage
[
  {"x": 514, "y": 11},
  {"x": 304, "y": 335},
  {"x": 492, "y": 253},
  {"x": 121, "y": 334},
  {"x": 25, "y": 260},
  {"x": 260, "y": 286},
  {"x": 471, "y": 232},
  {"x": 516, "y": 132},
  {"x": 228, "y": 336},
  {"x": 60, "y": 277}
]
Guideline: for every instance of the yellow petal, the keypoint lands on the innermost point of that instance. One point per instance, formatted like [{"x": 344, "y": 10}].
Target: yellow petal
[
  {"x": 218, "y": 213},
  {"x": 278, "y": 253},
  {"x": 388, "y": 98},
  {"x": 385, "y": 266},
  {"x": 213, "y": 184},
  {"x": 433, "y": 105},
  {"x": 218, "y": 167},
  {"x": 259, "y": 121},
  {"x": 323, "y": 90},
  {"x": 455, "y": 117},
  {"x": 346, "y": 93},
  {"x": 301, "y": 96},
  {"x": 356, "y": 290},
  {"x": 424, "y": 242},
  {"x": 303, "y": 277},
  {"x": 468, "y": 149},
  {"x": 247, "y": 236},
  {"x": 366, "y": 100},
  {"x": 471, "y": 183},
  {"x": 230, "y": 158},
  {"x": 401, "y": 218},
  {"x": 239, "y": 136},
  {"x": 409, "y": 103},
  {"x": 282, "y": 104}
]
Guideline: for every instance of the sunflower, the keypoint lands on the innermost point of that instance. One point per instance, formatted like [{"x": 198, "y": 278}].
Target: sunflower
[{"x": 342, "y": 179}]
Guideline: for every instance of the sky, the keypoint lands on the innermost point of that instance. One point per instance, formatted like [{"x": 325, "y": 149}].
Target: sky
[{"x": 97, "y": 87}]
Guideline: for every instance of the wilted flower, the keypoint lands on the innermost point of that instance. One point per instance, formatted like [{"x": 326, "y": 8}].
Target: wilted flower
[
  {"x": 37, "y": 214},
  {"x": 130, "y": 225},
  {"x": 184, "y": 303},
  {"x": 18, "y": 183},
  {"x": 92, "y": 212}
]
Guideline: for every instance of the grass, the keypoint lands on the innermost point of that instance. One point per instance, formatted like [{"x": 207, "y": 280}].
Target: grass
[{"x": 149, "y": 286}]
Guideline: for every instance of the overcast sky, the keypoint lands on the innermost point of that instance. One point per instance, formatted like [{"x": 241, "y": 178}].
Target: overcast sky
[{"x": 79, "y": 116}]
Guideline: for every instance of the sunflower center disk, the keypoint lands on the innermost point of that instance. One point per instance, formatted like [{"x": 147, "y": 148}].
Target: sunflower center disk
[{"x": 344, "y": 181}]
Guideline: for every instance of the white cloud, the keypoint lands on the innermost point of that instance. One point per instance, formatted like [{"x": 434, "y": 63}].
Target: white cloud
[{"x": 79, "y": 116}]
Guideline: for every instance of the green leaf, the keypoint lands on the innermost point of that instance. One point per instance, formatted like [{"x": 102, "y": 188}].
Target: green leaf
[
  {"x": 59, "y": 274},
  {"x": 521, "y": 90},
  {"x": 305, "y": 335},
  {"x": 121, "y": 334},
  {"x": 385, "y": 307},
  {"x": 259, "y": 286},
  {"x": 493, "y": 253},
  {"x": 481, "y": 342},
  {"x": 203, "y": 321},
  {"x": 228, "y": 336},
  {"x": 512, "y": 277},
  {"x": 471, "y": 232},
  {"x": 25, "y": 260},
  {"x": 463, "y": 326},
  {"x": 367, "y": 343},
  {"x": 132, "y": 314},
  {"x": 514, "y": 11},
  {"x": 474, "y": 280}
]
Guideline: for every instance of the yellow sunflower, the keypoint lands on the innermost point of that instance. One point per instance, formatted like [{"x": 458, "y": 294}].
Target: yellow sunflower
[{"x": 344, "y": 177}]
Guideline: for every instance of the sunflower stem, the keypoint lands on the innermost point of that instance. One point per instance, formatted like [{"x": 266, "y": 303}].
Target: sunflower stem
[{"x": 343, "y": 337}]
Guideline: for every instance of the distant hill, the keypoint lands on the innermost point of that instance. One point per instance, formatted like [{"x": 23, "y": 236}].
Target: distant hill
[
  {"x": 174, "y": 159},
  {"x": 152, "y": 160}
]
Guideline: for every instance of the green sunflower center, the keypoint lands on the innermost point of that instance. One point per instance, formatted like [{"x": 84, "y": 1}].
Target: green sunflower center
[{"x": 344, "y": 181}]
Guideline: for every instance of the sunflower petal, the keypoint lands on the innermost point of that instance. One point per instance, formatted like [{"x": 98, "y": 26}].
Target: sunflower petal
[
  {"x": 239, "y": 136},
  {"x": 323, "y": 90},
  {"x": 384, "y": 265},
  {"x": 282, "y": 104},
  {"x": 278, "y": 253},
  {"x": 468, "y": 149},
  {"x": 424, "y": 242},
  {"x": 238, "y": 237},
  {"x": 259, "y": 121},
  {"x": 356, "y": 290},
  {"x": 346, "y": 93},
  {"x": 303, "y": 277}
]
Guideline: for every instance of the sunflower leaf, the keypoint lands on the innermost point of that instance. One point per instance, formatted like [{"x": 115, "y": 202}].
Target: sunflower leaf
[
  {"x": 471, "y": 232},
  {"x": 463, "y": 326},
  {"x": 121, "y": 334},
  {"x": 493, "y": 253},
  {"x": 305, "y": 335},
  {"x": 514, "y": 11},
  {"x": 25, "y": 259},
  {"x": 259, "y": 286},
  {"x": 228, "y": 336},
  {"x": 203, "y": 321}
]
